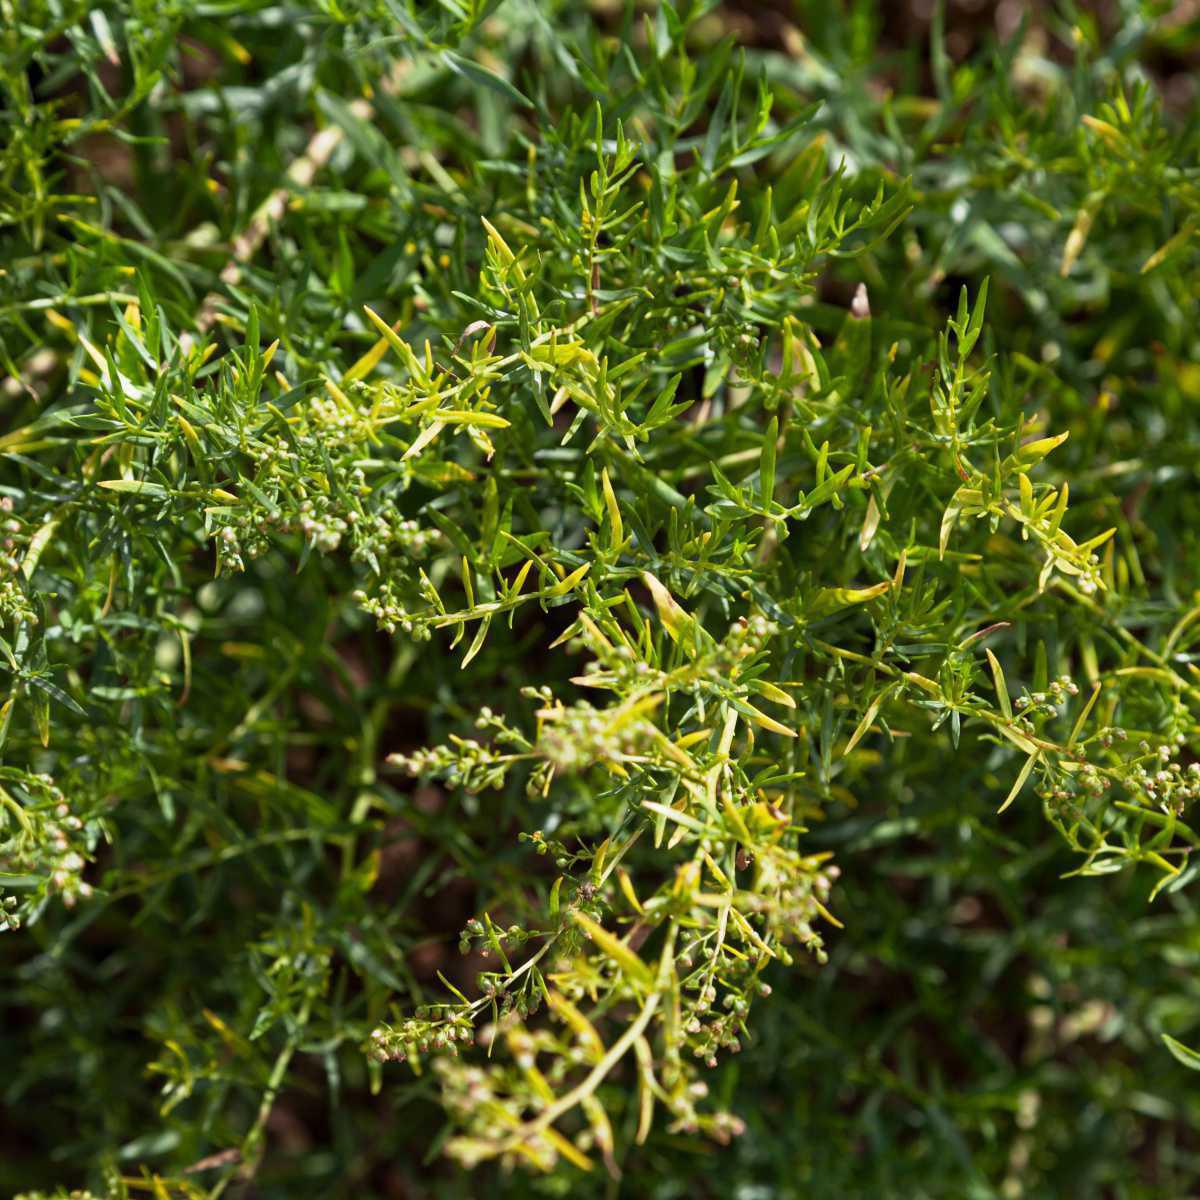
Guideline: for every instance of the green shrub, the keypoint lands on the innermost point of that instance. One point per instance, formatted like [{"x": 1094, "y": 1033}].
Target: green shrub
[{"x": 696, "y": 511}]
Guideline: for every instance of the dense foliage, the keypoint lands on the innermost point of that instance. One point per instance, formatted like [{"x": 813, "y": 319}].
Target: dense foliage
[{"x": 550, "y": 544}]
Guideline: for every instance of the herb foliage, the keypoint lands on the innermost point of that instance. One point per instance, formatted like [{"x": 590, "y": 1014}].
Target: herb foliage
[{"x": 713, "y": 536}]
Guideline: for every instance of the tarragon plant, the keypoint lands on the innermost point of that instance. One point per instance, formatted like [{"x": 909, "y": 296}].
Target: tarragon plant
[{"x": 563, "y": 484}]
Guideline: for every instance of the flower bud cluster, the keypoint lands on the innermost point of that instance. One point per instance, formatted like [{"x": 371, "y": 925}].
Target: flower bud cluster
[
  {"x": 74, "y": 1194},
  {"x": 488, "y": 1106},
  {"x": 321, "y": 524},
  {"x": 789, "y": 898},
  {"x": 1075, "y": 781},
  {"x": 722, "y": 1126},
  {"x": 419, "y": 1035},
  {"x": 379, "y": 536},
  {"x": 10, "y": 918},
  {"x": 576, "y": 737},
  {"x": 475, "y": 931},
  {"x": 11, "y": 540},
  {"x": 747, "y": 637},
  {"x": 15, "y": 608},
  {"x": 1033, "y": 706},
  {"x": 461, "y": 763},
  {"x": 708, "y": 1036},
  {"x": 286, "y": 501},
  {"x": 392, "y": 601},
  {"x": 53, "y": 846},
  {"x": 1162, "y": 779},
  {"x": 338, "y": 425},
  {"x": 615, "y": 666}
]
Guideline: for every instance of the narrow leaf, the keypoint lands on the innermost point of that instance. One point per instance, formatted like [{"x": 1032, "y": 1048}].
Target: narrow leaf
[{"x": 1030, "y": 762}]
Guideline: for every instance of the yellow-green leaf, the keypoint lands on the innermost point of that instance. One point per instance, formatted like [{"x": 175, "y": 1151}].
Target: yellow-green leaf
[
  {"x": 616, "y": 949},
  {"x": 1182, "y": 1053},
  {"x": 1001, "y": 684},
  {"x": 616, "y": 526},
  {"x": 1030, "y": 763}
]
